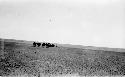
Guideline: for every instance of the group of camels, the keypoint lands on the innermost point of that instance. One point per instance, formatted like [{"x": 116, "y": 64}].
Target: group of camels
[{"x": 47, "y": 45}]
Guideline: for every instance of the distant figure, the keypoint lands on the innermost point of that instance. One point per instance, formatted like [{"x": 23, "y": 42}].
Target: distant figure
[
  {"x": 36, "y": 44},
  {"x": 47, "y": 45},
  {"x": 56, "y": 46},
  {"x": 44, "y": 44}
]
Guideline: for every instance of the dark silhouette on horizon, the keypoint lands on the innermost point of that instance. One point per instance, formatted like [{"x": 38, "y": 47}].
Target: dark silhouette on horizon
[
  {"x": 36, "y": 44},
  {"x": 44, "y": 45}
]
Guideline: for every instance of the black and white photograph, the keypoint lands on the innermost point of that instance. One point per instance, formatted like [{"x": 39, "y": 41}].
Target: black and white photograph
[{"x": 62, "y": 38}]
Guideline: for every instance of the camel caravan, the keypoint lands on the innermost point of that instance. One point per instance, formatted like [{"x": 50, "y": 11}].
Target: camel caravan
[{"x": 44, "y": 45}]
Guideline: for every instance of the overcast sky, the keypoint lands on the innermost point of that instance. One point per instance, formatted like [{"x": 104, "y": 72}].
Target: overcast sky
[{"x": 82, "y": 22}]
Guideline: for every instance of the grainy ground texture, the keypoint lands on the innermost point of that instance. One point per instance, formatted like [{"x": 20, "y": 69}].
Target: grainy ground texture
[{"x": 20, "y": 59}]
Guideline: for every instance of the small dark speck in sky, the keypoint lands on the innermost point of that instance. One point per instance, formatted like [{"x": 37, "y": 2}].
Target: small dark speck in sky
[{"x": 50, "y": 20}]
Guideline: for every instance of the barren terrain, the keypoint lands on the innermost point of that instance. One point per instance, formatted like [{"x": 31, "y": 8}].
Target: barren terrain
[{"x": 20, "y": 58}]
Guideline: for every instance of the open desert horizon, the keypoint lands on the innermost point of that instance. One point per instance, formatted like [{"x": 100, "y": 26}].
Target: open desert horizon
[
  {"x": 62, "y": 38},
  {"x": 20, "y": 58}
]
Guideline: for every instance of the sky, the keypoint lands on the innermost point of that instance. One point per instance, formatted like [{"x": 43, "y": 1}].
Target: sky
[{"x": 79, "y": 22}]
